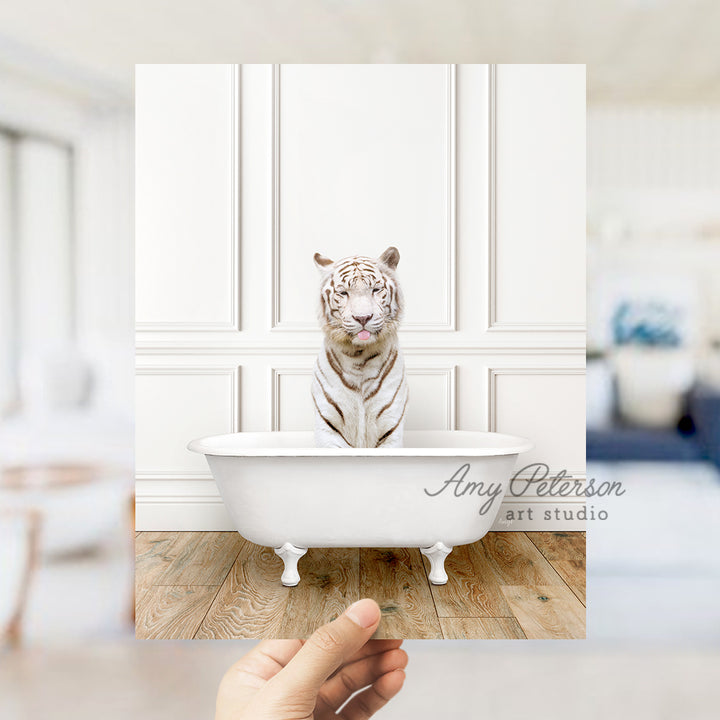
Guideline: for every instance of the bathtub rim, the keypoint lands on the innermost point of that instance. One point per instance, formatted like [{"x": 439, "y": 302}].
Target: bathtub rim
[{"x": 223, "y": 446}]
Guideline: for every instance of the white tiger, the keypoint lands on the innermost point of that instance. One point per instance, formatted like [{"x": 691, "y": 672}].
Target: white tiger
[{"x": 359, "y": 386}]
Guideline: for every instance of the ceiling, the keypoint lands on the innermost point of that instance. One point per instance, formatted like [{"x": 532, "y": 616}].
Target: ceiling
[{"x": 637, "y": 51}]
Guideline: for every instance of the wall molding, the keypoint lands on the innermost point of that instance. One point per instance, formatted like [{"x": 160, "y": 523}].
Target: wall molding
[
  {"x": 493, "y": 324},
  {"x": 177, "y": 490},
  {"x": 491, "y": 383},
  {"x": 449, "y": 324},
  {"x": 172, "y": 348},
  {"x": 276, "y": 374},
  {"x": 177, "y": 495},
  {"x": 177, "y": 514},
  {"x": 536, "y": 327},
  {"x": 494, "y": 372},
  {"x": 449, "y": 372},
  {"x": 165, "y": 475},
  {"x": 233, "y": 324},
  {"x": 181, "y": 513},
  {"x": 231, "y": 371},
  {"x": 177, "y": 500}
]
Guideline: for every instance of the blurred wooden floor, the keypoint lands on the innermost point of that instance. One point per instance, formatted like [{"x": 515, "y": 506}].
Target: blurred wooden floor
[{"x": 217, "y": 585}]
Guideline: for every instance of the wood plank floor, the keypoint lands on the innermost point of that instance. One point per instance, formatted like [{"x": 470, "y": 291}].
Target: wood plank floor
[{"x": 509, "y": 585}]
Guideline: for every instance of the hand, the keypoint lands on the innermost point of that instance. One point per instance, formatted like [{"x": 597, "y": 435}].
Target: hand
[{"x": 312, "y": 679}]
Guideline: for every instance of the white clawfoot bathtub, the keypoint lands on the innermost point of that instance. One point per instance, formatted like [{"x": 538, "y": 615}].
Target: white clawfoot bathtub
[{"x": 444, "y": 488}]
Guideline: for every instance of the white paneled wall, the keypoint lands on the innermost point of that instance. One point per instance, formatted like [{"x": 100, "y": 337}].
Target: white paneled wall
[
  {"x": 365, "y": 168},
  {"x": 539, "y": 132},
  {"x": 186, "y": 198},
  {"x": 475, "y": 173}
]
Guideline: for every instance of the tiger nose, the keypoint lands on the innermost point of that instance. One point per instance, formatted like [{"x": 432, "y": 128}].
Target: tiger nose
[{"x": 362, "y": 319}]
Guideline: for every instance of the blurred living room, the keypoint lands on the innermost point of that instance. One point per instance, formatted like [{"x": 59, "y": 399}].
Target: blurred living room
[{"x": 67, "y": 335}]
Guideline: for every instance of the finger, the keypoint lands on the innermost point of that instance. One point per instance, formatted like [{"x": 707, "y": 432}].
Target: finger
[
  {"x": 374, "y": 647},
  {"x": 327, "y": 649},
  {"x": 280, "y": 651},
  {"x": 358, "y": 675},
  {"x": 265, "y": 661},
  {"x": 245, "y": 677},
  {"x": 365, "y": 704}
]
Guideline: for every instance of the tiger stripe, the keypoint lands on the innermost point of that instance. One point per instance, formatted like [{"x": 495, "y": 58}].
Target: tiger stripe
[
  {"x": 385, "y": 373},
  {"x": 392, "y": 400},
  {"x": 360, "y": 390},
  {"x": 387, "y": 434},
  {"x": 335, "y": 366},
  {"x": 330, "y": 425},
  {"x": 330, "y": 400}
]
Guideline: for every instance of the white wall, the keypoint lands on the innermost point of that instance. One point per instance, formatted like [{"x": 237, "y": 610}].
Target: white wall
[{"x": 242, "y": 173}]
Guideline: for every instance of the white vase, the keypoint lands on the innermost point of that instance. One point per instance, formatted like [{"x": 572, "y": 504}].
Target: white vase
[{"x": 652, "y": 383}]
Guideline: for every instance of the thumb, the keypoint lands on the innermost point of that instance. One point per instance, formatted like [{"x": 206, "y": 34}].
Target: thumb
[{"x": 327, "y": 649}]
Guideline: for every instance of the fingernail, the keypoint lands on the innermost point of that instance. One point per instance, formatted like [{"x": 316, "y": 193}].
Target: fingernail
[{"x": 364, "y": 613}]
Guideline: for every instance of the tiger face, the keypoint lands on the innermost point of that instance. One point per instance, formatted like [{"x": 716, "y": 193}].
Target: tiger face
[{"x": 360, "y": 299}]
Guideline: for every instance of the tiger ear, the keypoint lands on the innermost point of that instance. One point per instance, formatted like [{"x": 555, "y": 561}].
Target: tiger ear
[
  {"x": 322, "y": 262},
  {"x": 391, "y": 257}
]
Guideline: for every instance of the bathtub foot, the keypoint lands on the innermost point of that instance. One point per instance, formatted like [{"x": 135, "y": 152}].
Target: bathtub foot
[
  {"x": 290, "y": 556},
  {"x": 437, "y": 554}
]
